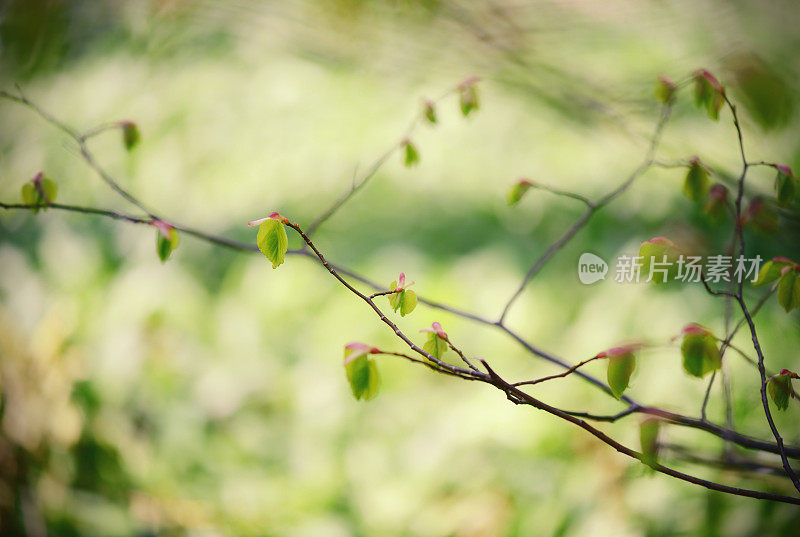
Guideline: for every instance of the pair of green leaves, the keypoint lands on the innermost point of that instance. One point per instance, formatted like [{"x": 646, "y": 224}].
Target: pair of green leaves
[
  {"x": 695, "y": 186},
  {"x": 708, "y": 93},
  {"x": 621, "y": 364},
  {"x": 700, "y": 351},
  {"x": 659, "y": 259},
  {"x": 40, "y": 192},
  {"x": 166, "y": 239},
  {"x": 402, "y": 299},
  {"x": 787, "y": 272},
  {"x": 361, "y": 370},
  {"x": 436, "y": 344},
  {"x": 785, "y": 185},
  {"x": 780, "y": 388},
  {"x": 271, "y": 238}
]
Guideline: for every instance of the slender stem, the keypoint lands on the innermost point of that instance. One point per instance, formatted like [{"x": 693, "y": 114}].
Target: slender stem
[{"x": 557, "y": 376}]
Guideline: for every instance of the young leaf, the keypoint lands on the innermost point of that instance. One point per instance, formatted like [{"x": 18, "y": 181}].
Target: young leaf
[
  {"x": 761, "y": 215},
  {"x": 659, "y": 259},
  {"x": 468, "y": 100},
  {"x": 518, "y": 190},
  {"x": 665, "y": 89},
  {"x": 166, "y": 239},
  {"x": 695, "y": 186},
  {"x": 436, "y": 345},
  {"x": 772, "y": 270},
  {"x": 717, "y": 202},
  {"x": 648, "y": 437},
  {"x": 430, "y": 111},
  {"x": 779, "y": 388},
  {"x": 411, "y": 154},
  {"x": 130, "y": 134},
  {"x": 789, "y": 290},
  {"x": 362, "y": 372},
  {"x": 708, "y": 93},
  {"x": 49, "y": 188},
  {"x": 700, "y": 351},
  {"x": 30, "y": 196},
  {"x": 272, "y": 240},
  {"x": 784, "y": 187},
  {"x": 621, "y": 363},
  {"x": 408, "y": 302}
]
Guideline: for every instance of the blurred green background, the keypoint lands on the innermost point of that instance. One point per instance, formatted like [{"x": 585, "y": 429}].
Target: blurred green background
[{"x": 206, "y": 396}]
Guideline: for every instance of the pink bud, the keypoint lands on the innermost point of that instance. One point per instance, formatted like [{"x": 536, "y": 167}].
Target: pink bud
[
  {"x": 695, "y": 329},
  {"x": 784, "y": 169}
]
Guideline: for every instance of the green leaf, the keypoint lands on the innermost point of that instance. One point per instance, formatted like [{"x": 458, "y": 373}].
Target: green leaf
[
  {"x": 779, "y": 389},
  {"x": 518, "y": 190},
  {"x": 435, "y": 346},
  {"x": 620, "y": 369},
  {"x": 787, "y": 295},
  {"x": 130, "y": 134},
  {"x": 785, "y": 189},
  {"x": 412, "y": 155},
  {"x": 468, "y": 99},
  {"x": 770, "y": 272},
  {"x": 695, "y": 186},
  {"x": 430, "y": 111},
  {"x": 659, "y": 255},
  {"x": 362, "y": 372},
  {"x": 717, "y": 204},
  {"x": 700, "y": 351},
  {"x": 49, "y": 188},
  {"x": 408, "y": 301},
  {"x": 665, "y": 90},
  {"x": 30, "y": 196},
  {"x": 708, "y": 93},
  {"x": 648, "y": 437},
  {"x": 272, "y": 241},
  {"x": 164, "y": 245}
]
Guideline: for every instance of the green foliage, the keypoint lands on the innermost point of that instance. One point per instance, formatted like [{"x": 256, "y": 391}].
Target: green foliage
[
  {"x": 717, "y": 203},
  {"x": 468, "y": 99},
  {"x": 700, "y": 351},
  {"x": 665, "y": 90},
  {"x": 130, "y": 134},
  {"x": 404, "y": 299},
  {"x": 621, "y": 363},
  {"x": 272, "y": 241},
  {"x": 429, "y": 111},
  {"x": 361, "y": 370},
  {"x": 39, "y": 191},
  {"x": 411, "y": 154},
  {"x": 436, "y": 344},
  {"x": 518, "y": 190},
  {"x": 789, "y": 290},
  {"x": 785, "y": 186},
  {"x": 708, "y": 93},
  {"x": 659, "y": 250},
  {"x": 166, "y": 240},
  {"x": 779, "y": 389},
  {"x": 765, "y": 92},
  {"x": 695, "y": 186},
  {"x": 648, "y": 438}
]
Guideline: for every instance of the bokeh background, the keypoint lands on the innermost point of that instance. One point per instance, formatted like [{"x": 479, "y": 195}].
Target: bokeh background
[{"x": 206, "y": 396}]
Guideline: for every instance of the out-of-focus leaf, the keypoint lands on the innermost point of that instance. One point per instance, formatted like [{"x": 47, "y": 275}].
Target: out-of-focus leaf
[
  {"x": 648, "y": 438},
  {"x": 789, "y": 290},
  {"x": 765, "y": 92},
  {"x": 621, "y": 363},
  {"x": 518, "y": 190},
  {"x": 130, "y": 134},
  {"x": 665, "y": 89},
  {"x": 411, "y": 154},
  {"x": 659, "y": 259},
  {"x": 779, "y": 389},
  {"x": 700, "y": 351},
  {"x": 361, "y": 370},
  {"x": 695, "y": 186}
]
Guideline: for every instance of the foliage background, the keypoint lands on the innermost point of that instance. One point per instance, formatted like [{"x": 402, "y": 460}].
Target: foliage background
[{"x": 206, "y": 396}]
